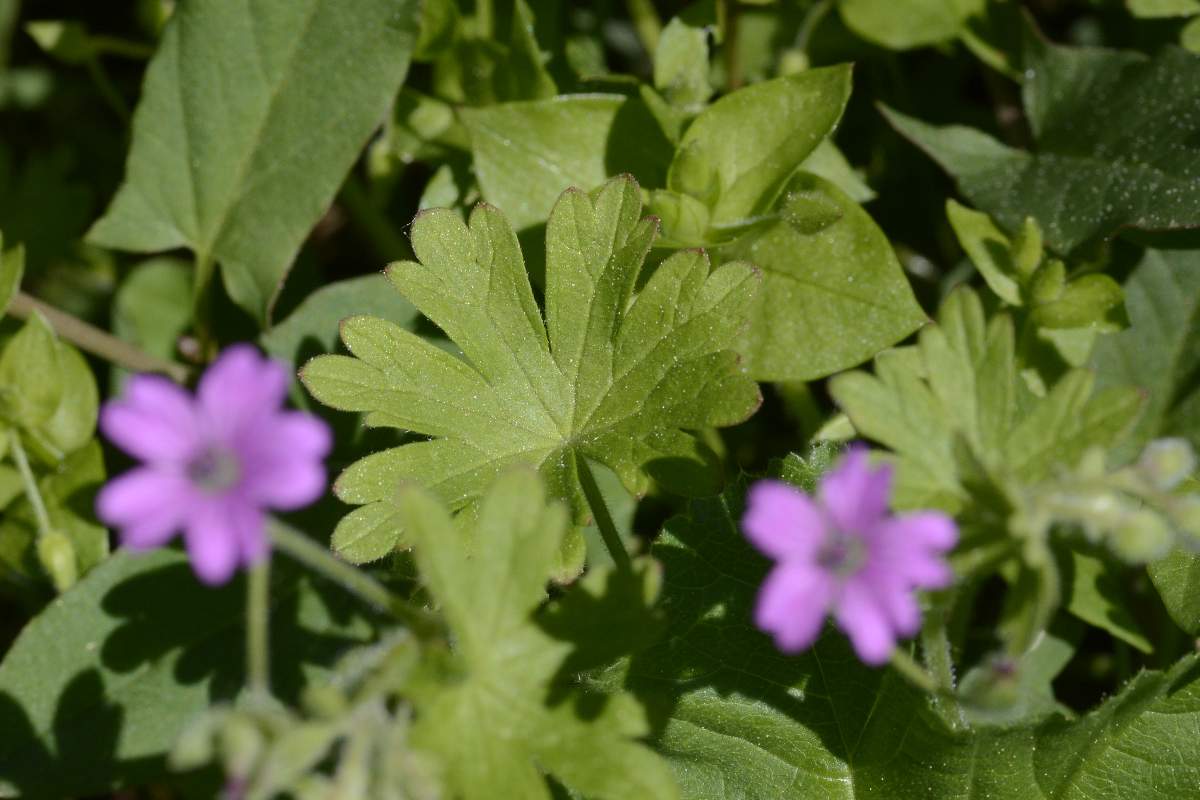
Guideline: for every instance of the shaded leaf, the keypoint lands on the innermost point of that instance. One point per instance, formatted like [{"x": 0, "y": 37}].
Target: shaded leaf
[
  {"x": 1091, "y": 172},
  {"x": 490, "y": 718}
]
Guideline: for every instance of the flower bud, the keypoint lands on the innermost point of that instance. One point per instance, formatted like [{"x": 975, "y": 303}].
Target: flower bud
[
  {"x": 1141, "y": 537},
  {"x": 1166, "y": 462},
  {"x": 241, "y": 745},
  {"x": 57, "y": 556}
]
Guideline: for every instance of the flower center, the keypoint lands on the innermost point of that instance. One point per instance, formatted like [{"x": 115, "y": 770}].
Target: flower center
[
  {"x": 842, "y": 554},
  {"x": 214, "y": 470}
]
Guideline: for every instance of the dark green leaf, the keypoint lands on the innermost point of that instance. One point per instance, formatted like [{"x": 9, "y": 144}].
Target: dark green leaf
[{"x": 1091, "y": 172}]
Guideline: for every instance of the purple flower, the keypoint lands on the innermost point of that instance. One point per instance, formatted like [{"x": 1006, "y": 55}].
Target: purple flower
[
  {"x": 213, "y": 462},
  {"x": 845, "y": 554}
]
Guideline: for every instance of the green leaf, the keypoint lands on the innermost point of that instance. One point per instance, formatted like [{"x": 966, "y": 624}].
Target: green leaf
[
  {"x": 1096, "y": 594},
  {"x": 1163, "y": 8},
  {"x": 1160, "y": 351},
  {"x": 1091, "y": 172},
  {"x": 12, "y": 266},
  {"x": 740, "y": 152},
  {"x": 313, "y": 327},
  {"x": 492, "y": 717},
  {"x": 833, "y": 295},
  {"x": 743, "y": 720},
  {"x": 1177, "y": 579},
  {"x": 483, "y": 70},
  {"x": 98, "y": 686},
  {"x": 905, "y": 24},
  {"x": 536, "y": 392},
  {"x": 962, "y": 381},
  {"x": 31, "y": 379},
  {"x": 527, "y": 153},
  {"x": 828, "y": 162},
  {"x": 989, "y": 249},
  {"x": 153, "y": 305},
  {"x": 73, "y": 422},
  {"x": 250, "y": 117},
  {"x": 681, "y": 65}
]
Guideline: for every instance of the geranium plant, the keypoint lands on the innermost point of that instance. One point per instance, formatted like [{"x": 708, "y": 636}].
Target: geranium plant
[{"x": 474, "y": 399}]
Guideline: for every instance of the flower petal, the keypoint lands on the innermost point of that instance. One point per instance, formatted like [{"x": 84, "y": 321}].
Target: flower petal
[
  {"x": 282, "y": 460},
  {"x": 854, "y": 494},
  {"x": 792, "y": 605},
  {"x": 912, "y": 545},
  {"x": 250, "y": 525},
  {"x": 859, "y": 614},
  {"x": 212, "y": 541},
  {"x": 782, "y": 522},
  {"x": 239, "y": 389},
  {"x": 153, "y": 420},
  {"x": 898, "y": 602},
  {"x": 148, "y": 505}
]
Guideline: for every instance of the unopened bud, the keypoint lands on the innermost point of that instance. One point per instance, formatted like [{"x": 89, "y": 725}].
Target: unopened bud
[
  {"x": 57, "y": 556},
  {"x": 1166, "y": 462},
  {"x": 1141, "y": 537},
  {"x": 241, "y": 745}
]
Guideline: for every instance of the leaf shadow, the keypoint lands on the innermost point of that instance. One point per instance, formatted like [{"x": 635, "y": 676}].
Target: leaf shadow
[{"x": 712, "y": 577}]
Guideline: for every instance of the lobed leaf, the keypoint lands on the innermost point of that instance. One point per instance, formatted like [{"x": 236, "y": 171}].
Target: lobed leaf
[{"x": 609, "y": 374}]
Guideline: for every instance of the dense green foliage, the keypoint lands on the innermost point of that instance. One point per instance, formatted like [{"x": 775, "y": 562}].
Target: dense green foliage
[{"x": 564, "y": 279}]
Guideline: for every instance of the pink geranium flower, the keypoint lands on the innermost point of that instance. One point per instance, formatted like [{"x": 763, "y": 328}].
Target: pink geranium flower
[
  {"x": 213, "y": 462},
  {"x": 845, "y": 554}
]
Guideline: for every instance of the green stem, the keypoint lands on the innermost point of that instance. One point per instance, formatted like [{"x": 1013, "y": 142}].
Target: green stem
[
  {"x": 608, "y": 531},
  {"x": 387, "y": 243},
  {"x": 353, "y": 580},
  {"x": 106, "y": 88},
  {"x": 935, "y": 646},
  {"x": 811, "y": 20},
  {"x": 728, "y": 11},
  {"x": 913, "y": 672},
  {"x": 258, "y": 616},
  {"x": 123, "y": 48},
  {"x": 95, "y": 341},
  {"x": 646, "y": 23},
  {"x": 31, "y": 488}
]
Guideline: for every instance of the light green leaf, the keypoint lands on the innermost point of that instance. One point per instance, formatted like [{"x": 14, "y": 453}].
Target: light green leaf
[
  {"x": 1160, "y": 351},
  {"x": 1163, "y": 8},
  {"x": 1090, "y": 173},
  {"x": 740, "y": 152},
  {"x": 527, "y": 153},
  {"x": 493, "y": 718},
  {"x": 1095, "y": 593},
  {"x": 989, "y": 249},
  {"x": 31, "y": 379},
  {"x": 828, "y": 162},
  {"x": 745, "y": 721},
  {"x": 905, "y": 24},
  {"x": 962, "y": 382},
  {"x": 74, "y": 420},
  {"x": 541, "y": 392},
  {"x": 681, "y": 65},
  {"x": 98, "y": 686},
  {"x": 832, "y": 296},
  {"x": 250, "y": 117}
]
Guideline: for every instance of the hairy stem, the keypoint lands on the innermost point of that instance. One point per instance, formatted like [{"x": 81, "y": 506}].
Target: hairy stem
[
  {"x": 913, "y": 672},
  {"x": 258, "y": 620},
  {"x": 95, "y": 341},
  {"x": 31, "y": 488},
  {"x": 728, "y": 9},
  {"x": 935, "y": 647},
  {"x": 608, "y": 531},
  {"x": 353, "y": 580}
]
